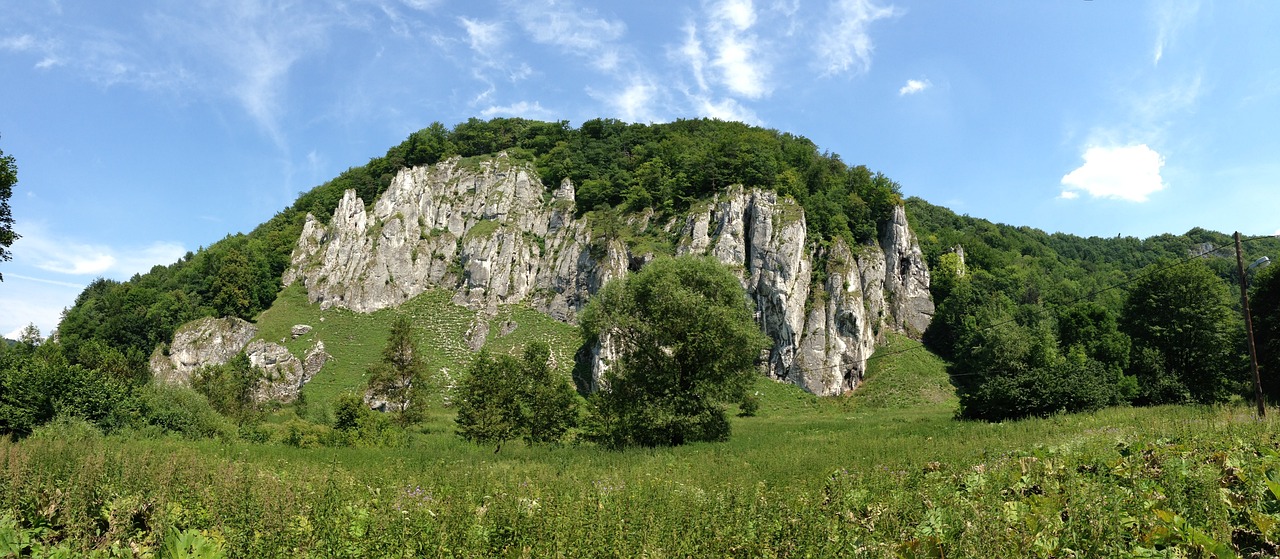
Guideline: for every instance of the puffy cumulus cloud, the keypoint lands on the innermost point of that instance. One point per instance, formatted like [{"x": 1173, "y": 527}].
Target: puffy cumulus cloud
[
  {"x": 844, "y": 44},
  {"x": 1129, "y": 173},
  {"x": 913, "y": 87}
]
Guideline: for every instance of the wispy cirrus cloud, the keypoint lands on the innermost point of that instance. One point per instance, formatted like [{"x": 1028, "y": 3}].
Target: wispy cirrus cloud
[
  {"x": 581, "y": 31},
  {"x": 844, "y": 42},
  {"x": 72, "y": 257},
  {"x": 1171, "y": 18},
  {"x": 523, "y": 109},
  {"x": 246, "y": 50}
]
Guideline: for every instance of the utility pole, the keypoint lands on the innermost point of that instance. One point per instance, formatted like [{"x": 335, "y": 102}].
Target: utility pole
[{"x": 1248, "y": 327}]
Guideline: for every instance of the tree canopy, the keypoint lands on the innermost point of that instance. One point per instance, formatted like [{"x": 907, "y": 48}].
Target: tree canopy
[
  {"x": 686, "y": 343},
  {"x": 502, "y": 398},
  {"x": 8, "y": 178}
]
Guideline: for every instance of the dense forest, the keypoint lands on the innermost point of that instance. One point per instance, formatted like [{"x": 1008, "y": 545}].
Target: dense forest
[{"x": 1036, "y": 323}]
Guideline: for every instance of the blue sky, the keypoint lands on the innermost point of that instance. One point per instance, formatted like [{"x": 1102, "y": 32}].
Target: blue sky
[{"x": 144, "y": 129}]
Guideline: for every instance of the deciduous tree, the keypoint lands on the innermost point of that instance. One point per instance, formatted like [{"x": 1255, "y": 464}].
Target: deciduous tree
[
  {"x": 1181, "y": 318},
  {"x": 8, "y": 178},
  {"x": 686, "y": 342}
]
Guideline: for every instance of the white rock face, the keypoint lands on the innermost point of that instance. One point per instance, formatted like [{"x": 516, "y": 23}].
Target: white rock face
[
  {"x": 214, "y": 341},
  {"x": 200, "y": 343},
  {"x": 906, "y": 277},
  {"x": 495, "y": 236}
]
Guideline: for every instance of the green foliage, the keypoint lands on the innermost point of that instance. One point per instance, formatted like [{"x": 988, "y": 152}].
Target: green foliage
[
  {"x": 190, "y": 544},
  {"x": 181, "y": 411},
  {"x": 37, "y": 384},
  {"x": 1264, "y": 302},
  {"x": 488, "y": 401},
  {"x": 349, "y": 411},
  {"x": 686, "y": 342},
  {"x": 503, "y": 398},
  {"x": 400, "y": 378},
  {"x": 810, "y": 478},
  {"x": 1008, "y": 368},
  {"x": 1181, "y": 318},
  {"x": 8, "y": 178},
  {"x": 229, "y": 387}
]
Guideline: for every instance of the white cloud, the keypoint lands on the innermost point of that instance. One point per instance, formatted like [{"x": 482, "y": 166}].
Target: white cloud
[
  {"x": 844, "y": 44},
  {"x": 523, "y": 109},
  {"x": 421, "y": 5},
  {"x": 914, "y": 86},
  {"x": 74, "y": 258},
  {"x": 740, "y": 14},
  {"x": 633, "y": 103},
  {"x": 1129, "y": 173},
  {"x": 246, "y": 50},
  {"x": 581, "y": 31},
  {"x": 20, "y": 43},
  {"x": 726, "y": 109},
  {"x": 484, "y": 37},
  {"x": 692, "y": 53},
  {"x": 28, "y": 300},
  {"x": 738, "y": 58},
  {"x": 1171, "y": 18}
]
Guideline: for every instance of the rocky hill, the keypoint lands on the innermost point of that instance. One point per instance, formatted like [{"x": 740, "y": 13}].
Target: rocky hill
[{"x": 491, "y": 232}]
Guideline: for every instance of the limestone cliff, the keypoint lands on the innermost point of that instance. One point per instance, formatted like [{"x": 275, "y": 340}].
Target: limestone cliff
[
  {"x": 493, "y": 234},
  {"x": 215, "y": 341}
]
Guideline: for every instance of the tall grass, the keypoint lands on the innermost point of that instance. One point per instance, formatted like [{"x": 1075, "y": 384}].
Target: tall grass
[
  {"x": 806, "y": 477},
  {"x": 885, "y": 472}
]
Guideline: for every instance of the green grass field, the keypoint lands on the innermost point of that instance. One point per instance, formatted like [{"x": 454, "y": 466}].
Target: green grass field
[{"x": 884, "y": 472}]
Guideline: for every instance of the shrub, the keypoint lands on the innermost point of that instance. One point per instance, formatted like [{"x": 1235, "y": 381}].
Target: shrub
[{"x": 182, "y": 411}]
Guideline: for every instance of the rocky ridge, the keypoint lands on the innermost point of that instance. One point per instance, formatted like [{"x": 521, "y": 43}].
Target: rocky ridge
[{"x": 494, "y": 235}]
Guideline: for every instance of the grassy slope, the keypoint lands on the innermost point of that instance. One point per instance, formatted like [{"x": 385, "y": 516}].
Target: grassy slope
[{"x": 355, "y": 340}]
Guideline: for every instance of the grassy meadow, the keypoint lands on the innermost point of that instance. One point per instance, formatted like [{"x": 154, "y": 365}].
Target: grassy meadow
[{"x": 885, "y": 472}]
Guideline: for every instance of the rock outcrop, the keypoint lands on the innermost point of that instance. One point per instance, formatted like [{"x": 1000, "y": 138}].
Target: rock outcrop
[
  {"x": 215, "y": 341},
  {"x": 200, "y": 343},
  {"x": 495, "y": 236}
]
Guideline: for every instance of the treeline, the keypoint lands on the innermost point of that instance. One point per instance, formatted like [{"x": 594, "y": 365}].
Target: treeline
[
  {"x": 1035, "y": 324},
  {"x": 616, "y": 167}
]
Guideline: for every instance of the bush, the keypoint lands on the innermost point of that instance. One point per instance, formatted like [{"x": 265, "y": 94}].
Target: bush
[{"x": 182, "y": 411}]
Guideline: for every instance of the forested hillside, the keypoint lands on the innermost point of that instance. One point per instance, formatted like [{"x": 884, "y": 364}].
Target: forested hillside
[
  {"x": 1032, "y": 323},
  {"x": 617, "y": 168},
  {"x": 1036, "y": 323}
]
